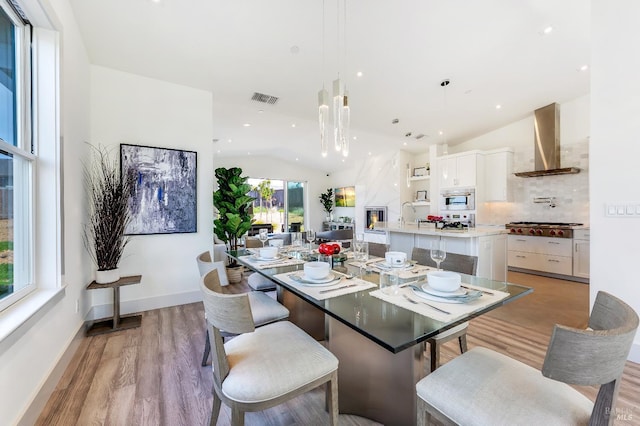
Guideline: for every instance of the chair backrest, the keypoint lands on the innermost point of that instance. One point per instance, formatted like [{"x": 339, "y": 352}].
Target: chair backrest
[
  {"x": 453, "y": 262},
  {"x": 377, "y": 249},
  {"x": 596, "y": 356},
  {"x": 228, "y": 312},
  {"x": 205, "y": 265},
  {"x": 344, "y": 235},
  {"x": 252, "y": 242}
]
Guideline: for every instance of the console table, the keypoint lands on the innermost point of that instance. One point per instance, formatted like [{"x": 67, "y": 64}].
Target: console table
[{"x": 116, "y": 322}]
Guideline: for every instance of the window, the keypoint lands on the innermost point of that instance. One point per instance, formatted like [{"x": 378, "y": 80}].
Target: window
[
  {"x": 283, "y": 209},
  {"x": 16, "y": 158}
]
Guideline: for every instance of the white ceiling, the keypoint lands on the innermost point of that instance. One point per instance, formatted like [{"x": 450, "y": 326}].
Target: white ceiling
[{"x": 493, "y": 51}]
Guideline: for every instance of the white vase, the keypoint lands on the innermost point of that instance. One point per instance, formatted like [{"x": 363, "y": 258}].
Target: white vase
[{"x": 109, "y": 276}]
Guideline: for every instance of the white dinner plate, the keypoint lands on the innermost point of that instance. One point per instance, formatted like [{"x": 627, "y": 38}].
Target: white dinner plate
[
  {"x": 459, "y": 292},
  {"x": 304, "y": 280},
  {"x": 266, "y": 259},
  {"x": 385, "y": 265},
  {"x": 426, "y": 296}
]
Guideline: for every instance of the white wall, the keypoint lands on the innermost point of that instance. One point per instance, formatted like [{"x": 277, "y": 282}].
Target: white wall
[
  {"x": 29, "y": 355},
  {"x": 614, "y": 149},
  {"x": 127, "y": 108},
  {"x": 273, "y": 168}
]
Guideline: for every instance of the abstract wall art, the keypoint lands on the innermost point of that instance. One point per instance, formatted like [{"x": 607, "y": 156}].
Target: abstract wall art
[{"x": 163, "y": 199}]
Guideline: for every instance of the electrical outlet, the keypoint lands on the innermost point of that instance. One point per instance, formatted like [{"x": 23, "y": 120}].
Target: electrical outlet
[{"x": 77, "y": 306}]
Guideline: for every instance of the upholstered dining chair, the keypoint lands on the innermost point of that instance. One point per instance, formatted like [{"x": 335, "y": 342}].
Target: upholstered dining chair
[
  {"x": 377, "y": 249},
  {"x": 483, "y": 387},
  {"x": 457, "y": 263},
  {"x": 264, "y": 309},
  {"x": 261, "y": 367},
  {"x": 255, "y": 280}
]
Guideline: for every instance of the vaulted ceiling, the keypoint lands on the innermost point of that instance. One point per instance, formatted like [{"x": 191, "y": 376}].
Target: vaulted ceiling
[{"x": 494, "y": 52}]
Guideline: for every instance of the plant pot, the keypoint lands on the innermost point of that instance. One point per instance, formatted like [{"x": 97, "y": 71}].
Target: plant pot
[
  {"x": 109, "y": 276},
  {"x": 234, "y": 273}
]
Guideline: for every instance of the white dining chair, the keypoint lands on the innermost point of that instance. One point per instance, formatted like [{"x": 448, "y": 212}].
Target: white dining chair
[
  {"x": 483, "y": 387},
  {"x": 261, "y": 367}
]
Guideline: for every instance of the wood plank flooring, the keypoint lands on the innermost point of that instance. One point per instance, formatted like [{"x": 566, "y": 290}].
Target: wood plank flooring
[{"x": 152, "y": 375}]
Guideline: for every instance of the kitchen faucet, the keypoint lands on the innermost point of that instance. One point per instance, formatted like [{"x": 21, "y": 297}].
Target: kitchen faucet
[{"x": 402, "y": 211}]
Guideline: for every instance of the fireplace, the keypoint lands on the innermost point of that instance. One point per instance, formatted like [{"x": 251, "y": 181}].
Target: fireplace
[{"x": 374, "y": 215}]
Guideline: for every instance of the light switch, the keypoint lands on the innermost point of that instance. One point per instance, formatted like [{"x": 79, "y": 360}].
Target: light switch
[
  {"x": 611, "y": 210},
  {"x": 620, "y": 210},
  {"x": 638, "y": 210},
  {"x": 631, "y": 210}
]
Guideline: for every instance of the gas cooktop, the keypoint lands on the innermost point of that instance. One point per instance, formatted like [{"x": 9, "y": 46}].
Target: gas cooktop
[
  {"x": 535, "y": 224},
  {"x": 543, "y": 229}
]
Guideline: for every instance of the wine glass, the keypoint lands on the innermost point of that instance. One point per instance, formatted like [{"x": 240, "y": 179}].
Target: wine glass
[
  {"x": 311, "y": 237},
  {"x": 361, "y": 254},
  {"x": 263, "y": 236},
  {"x": 438, "y": 252}
]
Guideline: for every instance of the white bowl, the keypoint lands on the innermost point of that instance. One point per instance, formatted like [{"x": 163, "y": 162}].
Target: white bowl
[
  {"x": 443, "y": 280},
  {"x": 395, "y": 258},
  {"x": 316, "y": 270},
  {"x": 268, "y": 252}
]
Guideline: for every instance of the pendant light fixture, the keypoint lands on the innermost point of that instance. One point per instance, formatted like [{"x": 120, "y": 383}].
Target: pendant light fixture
[{"x": 323, "y": 103}]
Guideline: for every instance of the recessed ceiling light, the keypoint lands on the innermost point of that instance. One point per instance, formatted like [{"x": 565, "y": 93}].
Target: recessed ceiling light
[
  {"x": 343, "y": 160},
  {"x": 248, "y": 153},
  {"x": 246, "y": 125},
  {"x": 405, "y": 144},
  {"x": 293, "y": 125},
  {"x": 295, "y": 50},
  {"x": 156, "y": 1},
  {"x": 296, "y": 158},
  {"x": 218, "y": 151},
  {"x": 584, "y": 67},
  {"x": 547, "y": 30},
  {"x": 441, "y": 133},
  {"x": 355, "y": 138},
  {"x": 498, "y": 106},
  {"x": 369, "y": 153},
  {"x": 359, "y": 74},
  {"x": 229, "y": 140},
  {"x": 260, "y": 111}
]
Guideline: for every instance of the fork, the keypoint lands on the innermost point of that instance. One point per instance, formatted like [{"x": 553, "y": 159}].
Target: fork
[{"x": 425, "y": 303}]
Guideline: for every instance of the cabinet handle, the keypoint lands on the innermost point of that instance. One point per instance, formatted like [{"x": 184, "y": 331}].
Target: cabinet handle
[
  {"x": 521, "y": 257},
  {"x": 522, "y": 241},
  {"x": 553, "y": 260},
  {"x": 553, "y": 242}
]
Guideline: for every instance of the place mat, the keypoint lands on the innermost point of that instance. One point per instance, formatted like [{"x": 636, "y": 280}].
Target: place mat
[
  {"x": 456, "y": 311},
  {"x": 407, "y": 273},
  {"x": 372, "y": 259},
  {"x": 275, "y": 263},
  {"x": 317, "y": 292}
]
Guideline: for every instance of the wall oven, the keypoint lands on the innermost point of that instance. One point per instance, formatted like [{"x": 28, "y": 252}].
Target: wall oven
[
  {"x": 374, "y": 215},
  {"x": 459, "y": 199}
]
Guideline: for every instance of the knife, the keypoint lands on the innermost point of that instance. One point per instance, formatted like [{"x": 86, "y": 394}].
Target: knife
[
  {"x": 477, "y": 289},
  {"x": 338, "y": 288}
]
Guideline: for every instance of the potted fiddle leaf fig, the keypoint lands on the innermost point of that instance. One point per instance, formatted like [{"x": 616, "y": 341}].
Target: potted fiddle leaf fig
[
  {"x": 326, "y": 199},
  {"x": 233, "y": 203},
  {"x": 108, "y": 195}
]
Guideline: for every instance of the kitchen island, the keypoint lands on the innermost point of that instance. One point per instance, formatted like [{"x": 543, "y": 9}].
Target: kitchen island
[{"x": 489, "y": 243}]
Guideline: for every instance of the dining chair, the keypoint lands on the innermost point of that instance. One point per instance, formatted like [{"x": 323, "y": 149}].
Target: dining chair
[
  {"x": 265, "y": 310},
  {"x": 345, "y": 236},
  {"x": 377, "y": 249},
  {"x": 256, "y": 281},
  {"x": 457, "y": 263},
  {"x": 483, "y": 387},
  {"x": 261, "y": 367}
]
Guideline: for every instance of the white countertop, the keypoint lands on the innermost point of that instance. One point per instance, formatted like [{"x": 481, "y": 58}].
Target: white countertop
[{"x": 429, "y": 229}]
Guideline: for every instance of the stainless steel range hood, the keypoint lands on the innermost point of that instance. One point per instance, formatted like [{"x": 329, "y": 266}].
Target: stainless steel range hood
[{"x": 547, "y": 144}]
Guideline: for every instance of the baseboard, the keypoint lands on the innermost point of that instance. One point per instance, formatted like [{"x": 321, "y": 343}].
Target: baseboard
[
  {"x": 146, "y": 304},
  {"x": 33, "y": 411}
]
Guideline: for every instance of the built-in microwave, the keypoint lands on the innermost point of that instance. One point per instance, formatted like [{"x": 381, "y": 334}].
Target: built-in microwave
[{"x": 459, "y": 199}]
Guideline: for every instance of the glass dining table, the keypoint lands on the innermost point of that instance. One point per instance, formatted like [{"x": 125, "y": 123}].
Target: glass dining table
[{"x": 380, "y": 345}]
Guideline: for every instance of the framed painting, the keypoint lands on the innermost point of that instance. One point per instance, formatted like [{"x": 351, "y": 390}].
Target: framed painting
[
  {"x": 164, "y": 197},
  {"x": 345, "y": 197}
]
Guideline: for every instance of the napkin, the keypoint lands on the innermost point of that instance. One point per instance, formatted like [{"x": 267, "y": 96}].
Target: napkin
[{"x": 338, "y": 288}]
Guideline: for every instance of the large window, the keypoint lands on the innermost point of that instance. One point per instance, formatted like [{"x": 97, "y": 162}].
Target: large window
[
  {"x": 279, "y": 203},
  {"x": 16, "y": 158}
]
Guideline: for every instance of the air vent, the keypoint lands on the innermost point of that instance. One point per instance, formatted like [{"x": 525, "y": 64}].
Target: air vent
[{"x": 265, "y": 99}]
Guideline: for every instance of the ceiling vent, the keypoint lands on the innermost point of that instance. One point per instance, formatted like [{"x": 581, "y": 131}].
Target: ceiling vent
[{"x": 265, "y": 99}]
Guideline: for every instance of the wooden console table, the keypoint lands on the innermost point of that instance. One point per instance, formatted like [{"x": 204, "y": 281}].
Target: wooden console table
[{"x": 115, "y": 323}]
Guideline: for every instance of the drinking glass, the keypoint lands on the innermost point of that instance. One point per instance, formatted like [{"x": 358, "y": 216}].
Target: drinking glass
[
  {"x": 389, "y": 282},
  {"x": 311, "y": 237},
  {"x": 361, "y": 253},
  {"x": 438, "y": 252},
  {"x": 296, "y": 239},
  {"x": 263, "y": 236}
]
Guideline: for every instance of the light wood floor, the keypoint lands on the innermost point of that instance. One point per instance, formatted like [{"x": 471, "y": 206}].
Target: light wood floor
[{"x": 152, "y": 375}]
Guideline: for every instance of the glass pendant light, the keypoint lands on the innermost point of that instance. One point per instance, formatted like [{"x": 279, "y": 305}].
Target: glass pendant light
[
  {"x": 338, "y": 103},
  {"x": 344, "y": 125},
  {"x": 323, "y": 118}
]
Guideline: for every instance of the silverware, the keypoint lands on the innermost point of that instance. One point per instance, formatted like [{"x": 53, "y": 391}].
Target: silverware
[
  {"x": 477, "y": 289},
  {"x": 338, "y": 288},
  {"x": 425, "y": 303}
]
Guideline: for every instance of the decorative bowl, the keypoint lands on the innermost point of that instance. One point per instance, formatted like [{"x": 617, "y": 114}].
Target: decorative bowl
[
  {"x": 316, "y": 270},
  {"x": 395, "y": 258},
  {"x": 443, "y": 280},
  {"x": 268, "y": 252}
]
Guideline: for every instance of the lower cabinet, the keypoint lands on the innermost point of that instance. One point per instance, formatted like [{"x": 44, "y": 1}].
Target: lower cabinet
[
  {"x": 551, "y": 255},
  {"x": 581, "y": 253}
]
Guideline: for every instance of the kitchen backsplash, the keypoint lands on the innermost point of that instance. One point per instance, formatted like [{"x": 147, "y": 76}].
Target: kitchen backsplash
[{"x": 570, "y": 192}]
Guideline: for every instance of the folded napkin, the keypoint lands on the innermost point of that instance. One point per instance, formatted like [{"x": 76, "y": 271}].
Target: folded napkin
[
  {"x": 455, "y": 310},
  {"x": 320, "y": 291}
]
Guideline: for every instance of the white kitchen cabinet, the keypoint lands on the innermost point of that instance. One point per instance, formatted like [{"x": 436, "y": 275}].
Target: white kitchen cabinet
[
  {"x": 581, "y": 253},
  {"x": 551, "y": 255},
  {"x": 492, "y": 257},
  {"x": 498, "y": 165},
  {"x": 458, "y": 170}
]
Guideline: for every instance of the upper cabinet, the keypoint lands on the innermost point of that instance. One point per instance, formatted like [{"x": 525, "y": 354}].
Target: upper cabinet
[
  {"x": 499, "y": 167},
  {"x": 458, "y": 170}
]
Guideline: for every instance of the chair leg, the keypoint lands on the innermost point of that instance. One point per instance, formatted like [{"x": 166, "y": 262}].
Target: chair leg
[
  {"x": 237, "y": 417},
  {"x": 463, "y": 343},
  {"x": 215, "y": 410},
  {"x": 331, "y": 395},
  {"x": 434, "y": 355},
  {"x": 421, "y": 412},
  {"x": 207, "y": 349}
]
